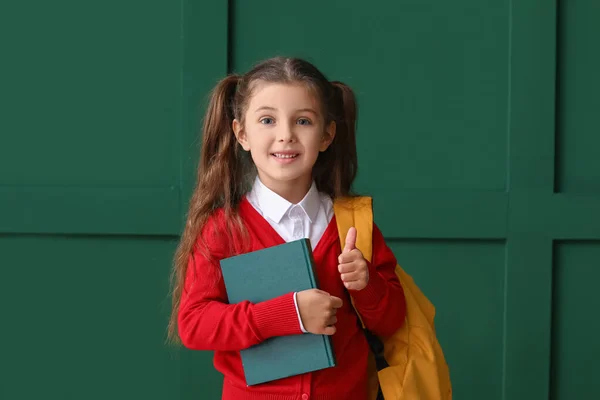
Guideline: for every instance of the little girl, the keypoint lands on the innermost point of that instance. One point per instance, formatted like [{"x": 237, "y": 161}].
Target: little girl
[{"x": 278, "y": 148}]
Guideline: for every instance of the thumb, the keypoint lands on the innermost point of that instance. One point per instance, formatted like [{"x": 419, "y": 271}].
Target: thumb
[{"x": 350, "y": 240}]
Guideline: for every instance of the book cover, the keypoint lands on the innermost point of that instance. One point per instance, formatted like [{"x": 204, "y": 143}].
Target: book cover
[{"x": 263, "y": 275}]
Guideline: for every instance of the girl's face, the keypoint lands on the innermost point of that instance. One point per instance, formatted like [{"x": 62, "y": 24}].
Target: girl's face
[{"x": 284, "y": 130}]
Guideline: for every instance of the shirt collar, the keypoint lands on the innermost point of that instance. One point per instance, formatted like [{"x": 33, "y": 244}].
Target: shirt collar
[
  {"x": 275, "y": 207},
  {"x": 311, "y": 203}
]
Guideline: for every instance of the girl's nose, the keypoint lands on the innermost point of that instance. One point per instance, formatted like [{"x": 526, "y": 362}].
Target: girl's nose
[{"x": 285, "y": 134}]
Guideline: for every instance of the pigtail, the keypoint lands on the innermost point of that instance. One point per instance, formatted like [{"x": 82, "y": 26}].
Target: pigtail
[
  {"x": 219, "y": 172},
  {"x": 220, "y": 183},
  {"x": 337, "y": 167}
]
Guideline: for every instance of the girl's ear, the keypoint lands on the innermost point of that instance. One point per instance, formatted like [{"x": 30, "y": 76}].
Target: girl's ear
[
  {"x": 328, "y": 136},
  {"x": 240, "y": 135}
]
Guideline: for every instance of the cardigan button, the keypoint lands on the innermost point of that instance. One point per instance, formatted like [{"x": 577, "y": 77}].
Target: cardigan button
[{"x": 304, "y": 396}]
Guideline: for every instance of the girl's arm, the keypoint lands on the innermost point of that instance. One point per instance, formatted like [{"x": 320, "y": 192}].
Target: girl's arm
[
  {"x": 381, "y": 303},
  {"x": 207, "y": 322}
]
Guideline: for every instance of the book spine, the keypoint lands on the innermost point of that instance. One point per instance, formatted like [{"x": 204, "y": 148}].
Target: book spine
[
  {"x": 329, "y": 350},
  {"x": 315, "y": 285},
  {"x": 311, "y": 264}
]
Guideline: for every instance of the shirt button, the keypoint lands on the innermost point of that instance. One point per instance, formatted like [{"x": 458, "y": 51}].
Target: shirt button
[{"x": 304, "y": 396}]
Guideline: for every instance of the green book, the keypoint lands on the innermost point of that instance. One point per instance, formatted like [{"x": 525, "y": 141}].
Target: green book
[{"x": 263, "y": 275}]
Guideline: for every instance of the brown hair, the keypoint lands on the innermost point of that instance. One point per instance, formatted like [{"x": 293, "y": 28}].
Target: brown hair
[{"x": 225, "y": 171}]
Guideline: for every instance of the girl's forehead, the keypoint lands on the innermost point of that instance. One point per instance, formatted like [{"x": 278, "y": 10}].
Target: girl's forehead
[{"x": 282, "y": 96}]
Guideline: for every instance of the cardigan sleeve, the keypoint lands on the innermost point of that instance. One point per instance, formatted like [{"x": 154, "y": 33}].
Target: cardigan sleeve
[
  {"x": 207, "y": 322},
  {"x": 381, "y": 304}
]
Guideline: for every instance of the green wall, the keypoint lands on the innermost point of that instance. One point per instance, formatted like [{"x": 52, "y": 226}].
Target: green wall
[{"x": 479, "y": 138}]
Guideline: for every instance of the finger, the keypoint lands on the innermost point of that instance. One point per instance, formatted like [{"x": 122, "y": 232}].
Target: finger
[
  {"x": 356, "y": 285},
  {"x": 352, "y": 276},
  {"x": 350, "y": 240},
  {"x": 336, "y": 302},
  {"x": 329, "y": 330},
  {"x": 350, "y": 256},
  {"x": 331, "y": 321},
  {"x": 346, "y": 268}
]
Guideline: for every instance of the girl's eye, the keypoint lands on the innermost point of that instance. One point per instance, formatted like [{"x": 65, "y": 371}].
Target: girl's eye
[
  {"x": 304, "y": 121},
  {"x": 267, "y": 121}
]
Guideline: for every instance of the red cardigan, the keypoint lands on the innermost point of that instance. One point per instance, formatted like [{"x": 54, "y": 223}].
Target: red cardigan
[{"x": 207, "y": 322}]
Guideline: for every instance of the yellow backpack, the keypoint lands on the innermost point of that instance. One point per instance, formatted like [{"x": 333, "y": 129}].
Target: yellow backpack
[{"x": 410, "y": 364}]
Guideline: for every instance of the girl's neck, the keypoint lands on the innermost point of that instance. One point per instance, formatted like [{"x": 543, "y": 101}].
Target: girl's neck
[{"x": 292, "y": 191}]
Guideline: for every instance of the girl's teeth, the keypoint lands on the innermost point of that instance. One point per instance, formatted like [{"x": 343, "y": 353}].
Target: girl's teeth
[{"x": 285, "y": 155}]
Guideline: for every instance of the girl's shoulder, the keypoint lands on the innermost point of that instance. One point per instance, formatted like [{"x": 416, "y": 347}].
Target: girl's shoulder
[
  {"x": 214, "y": 225},
  {"x": 222, "y": 234},
  {"x": 211, "y": 232}
]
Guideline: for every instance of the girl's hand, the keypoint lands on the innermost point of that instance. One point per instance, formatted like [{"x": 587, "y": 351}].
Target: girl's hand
[
  {"x": 353, "y": 267},
  {"x": 317, "y": 311}
]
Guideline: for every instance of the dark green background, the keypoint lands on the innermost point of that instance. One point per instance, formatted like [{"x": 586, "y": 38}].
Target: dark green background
[{"x": 479, "y": 138}]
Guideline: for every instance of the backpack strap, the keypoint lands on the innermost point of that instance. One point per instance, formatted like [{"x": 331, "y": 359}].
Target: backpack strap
[{"x": 358, "y": 212}]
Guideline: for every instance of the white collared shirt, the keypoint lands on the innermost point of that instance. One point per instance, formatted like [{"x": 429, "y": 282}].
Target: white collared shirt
[{"x": 307, "y": 219}]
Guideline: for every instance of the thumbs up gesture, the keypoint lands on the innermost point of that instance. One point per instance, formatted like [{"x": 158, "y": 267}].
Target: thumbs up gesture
[{"x": 353, "y": 267}]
